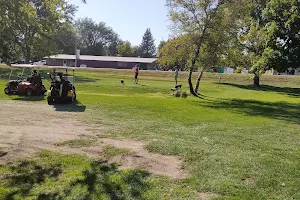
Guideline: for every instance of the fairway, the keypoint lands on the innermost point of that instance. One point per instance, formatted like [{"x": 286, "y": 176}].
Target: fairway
[{"x": 236, "y": 142}]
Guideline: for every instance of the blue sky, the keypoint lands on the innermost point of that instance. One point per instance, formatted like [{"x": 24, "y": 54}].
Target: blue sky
[{"x": 129, "y": 18}]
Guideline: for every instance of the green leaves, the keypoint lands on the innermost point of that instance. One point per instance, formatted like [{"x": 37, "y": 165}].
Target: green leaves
[
  {"x": 125, "y": 50},
  {"x": 95, "y": 38},
  {"x": 176, "y": 53},
  {"x": 28, "y": 24},
  {"x": 148, "y": 48}
]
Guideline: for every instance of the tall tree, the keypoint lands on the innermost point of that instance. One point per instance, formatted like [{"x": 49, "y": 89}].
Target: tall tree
[
  {"x": 31, "y": 24},
  {"x": 95, "y": 38},
  {"x": 272, "y": 35},
  {"x": 125, "y": 49},
  {"x": 137, "y": 51},
  {"x": 175, "y": 53},
  {"x": 208, "y": 23},
  {"x": 161, "y": 45},
  {"x": 148, "y": 48}
]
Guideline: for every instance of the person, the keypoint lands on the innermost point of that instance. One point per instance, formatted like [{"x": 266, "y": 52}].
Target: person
[
  {"x": 176, "y": 73},
  {"x": 33, "y": 78},
  {"x": 136, "y": 72}
]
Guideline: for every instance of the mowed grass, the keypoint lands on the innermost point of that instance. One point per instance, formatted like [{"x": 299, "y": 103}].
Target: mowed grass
[{"x": 237, "y": 141}]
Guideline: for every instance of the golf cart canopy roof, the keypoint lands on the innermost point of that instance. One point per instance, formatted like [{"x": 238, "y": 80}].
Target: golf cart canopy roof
[{"x": 25, "y": 66}]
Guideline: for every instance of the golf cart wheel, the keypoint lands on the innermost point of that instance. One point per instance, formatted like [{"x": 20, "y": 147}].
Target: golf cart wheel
[
  {"x": 69, "y": 100},
  {"x": 7, "y": 90},
  {"x": 29, "y": 92},
  {"x": 50, "y": 100},
  {"x": 74, "y": 97}
]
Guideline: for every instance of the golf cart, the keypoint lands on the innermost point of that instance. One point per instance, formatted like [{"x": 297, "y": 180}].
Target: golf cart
[
  {"x": 62, "y": 89},
  {"x": 31, "y": 86}
]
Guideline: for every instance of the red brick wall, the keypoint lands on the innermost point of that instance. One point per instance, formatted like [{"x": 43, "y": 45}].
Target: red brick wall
[{"x": 51, "y": 62}]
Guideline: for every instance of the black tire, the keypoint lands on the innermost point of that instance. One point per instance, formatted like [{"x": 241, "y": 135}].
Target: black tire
[
  {"x": 7, "y": 90},
  {"x": 50, "y": 100},
  {"x": 75, "y": 96},
  {"x": 70, "y": 100},
  {"x": 28, "y": 92}
]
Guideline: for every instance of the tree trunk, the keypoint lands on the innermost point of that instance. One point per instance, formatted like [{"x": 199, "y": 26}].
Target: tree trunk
[
  {"x": 198, "y": 80},
  {"x": 192, "y": 69},
  {"x": 27, "y": 54},
  {"x": 256, "y": 81}
]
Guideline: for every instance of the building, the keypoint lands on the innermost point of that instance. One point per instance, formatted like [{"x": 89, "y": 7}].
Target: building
[
  {"x": 289, "y": 71},
  {"x": 102, "y": 61}
]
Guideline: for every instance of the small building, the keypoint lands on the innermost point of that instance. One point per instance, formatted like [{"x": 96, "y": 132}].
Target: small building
[
  {"x": 289, "y": 71},
  {"x": 102, "y": 61},
  {"x": 225, "y": 70}
]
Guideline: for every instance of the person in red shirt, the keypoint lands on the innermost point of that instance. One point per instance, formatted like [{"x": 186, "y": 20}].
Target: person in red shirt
[{"x": 136, "y": 72}]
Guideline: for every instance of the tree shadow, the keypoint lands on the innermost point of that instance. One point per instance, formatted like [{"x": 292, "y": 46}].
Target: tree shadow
[
  {"x": 294, "y": 92},
  {"x": 28, "y": 173},
  {"x": 99, "y": 180},
  {"x": 74, "y": 107},
  {"x": 83, "y": 79},
  {"x": 30, "y": 98},
  {"x": 275, "y": 110}
]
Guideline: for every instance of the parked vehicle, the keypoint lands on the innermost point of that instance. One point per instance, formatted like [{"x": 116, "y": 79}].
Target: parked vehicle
[
  {"x": 62, "y": 89},
  {"x": 31, "y": 86},
  {"x": 40, "y": 63}
]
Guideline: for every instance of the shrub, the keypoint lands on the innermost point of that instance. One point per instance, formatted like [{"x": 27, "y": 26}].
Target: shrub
[
  {"x": 184, "y": 95},
  {"x": 177, "y": 94},
  {"x": 238, "y": 69}
]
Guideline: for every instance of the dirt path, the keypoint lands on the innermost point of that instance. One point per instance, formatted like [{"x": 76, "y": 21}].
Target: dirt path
[{"x": 29, "y": 127}]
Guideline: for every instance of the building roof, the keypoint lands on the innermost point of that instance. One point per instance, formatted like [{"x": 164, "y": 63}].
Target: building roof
[
  {"x": 104, "y": 58},
  {"x": 26, "y": 66}
]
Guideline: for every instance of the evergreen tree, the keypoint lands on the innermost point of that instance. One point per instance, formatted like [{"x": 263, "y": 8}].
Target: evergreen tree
[{"x": 148, "y": 48}]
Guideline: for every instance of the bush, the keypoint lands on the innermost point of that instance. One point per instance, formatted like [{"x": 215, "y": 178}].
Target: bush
[
  {"x": 238, "y": 69},
  {"x": 177, "y": 94},
  {"x": 184, "y": 95}
]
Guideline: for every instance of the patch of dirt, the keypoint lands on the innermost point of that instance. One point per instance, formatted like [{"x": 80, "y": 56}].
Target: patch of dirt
[
  {"x": 156, "y": 163},
  {"x": 27, "y": 128},
  {"x": 249, "y": 180},
  {"x": 206, "y": 195}
]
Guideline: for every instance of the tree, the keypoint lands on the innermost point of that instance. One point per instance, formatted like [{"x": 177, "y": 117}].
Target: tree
[
  {"x": 125, "y": 49},
  {"x": 137, "y": 51},
  {"x": 175, "y": 53},
  {"x": 31, "y": 24},
  {"x": 208, "y": 23},
  {"x": 148, "y": 48},
  {"x": 272, "y": 35},
  {"x": 161, "y": 45},
  {"x": 94, "y": 39}
]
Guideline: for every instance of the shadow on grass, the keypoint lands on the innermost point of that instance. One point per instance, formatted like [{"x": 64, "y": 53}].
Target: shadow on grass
[
  {"x": 36, "y": 179},
  {"x": 30, "y": 98},
  {"x": 294, "y": 92},
  {"x": 275, "y": 110},
  {"x": 74, "y": 107},
  {"x": 100, "y": 175},
  {"x": 82, "y": 79},
  {"x": 28, "y": 173}
]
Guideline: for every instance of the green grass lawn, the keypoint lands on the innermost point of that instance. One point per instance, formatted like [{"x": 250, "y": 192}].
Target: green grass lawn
[{"x": 238, "y": 141}]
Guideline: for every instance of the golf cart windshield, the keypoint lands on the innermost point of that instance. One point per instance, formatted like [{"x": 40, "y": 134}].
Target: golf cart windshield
[
  {"x": 71, "y": 79},
  {"x": 66, "y": 74},
  {"x": 20, "y": 74}
]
